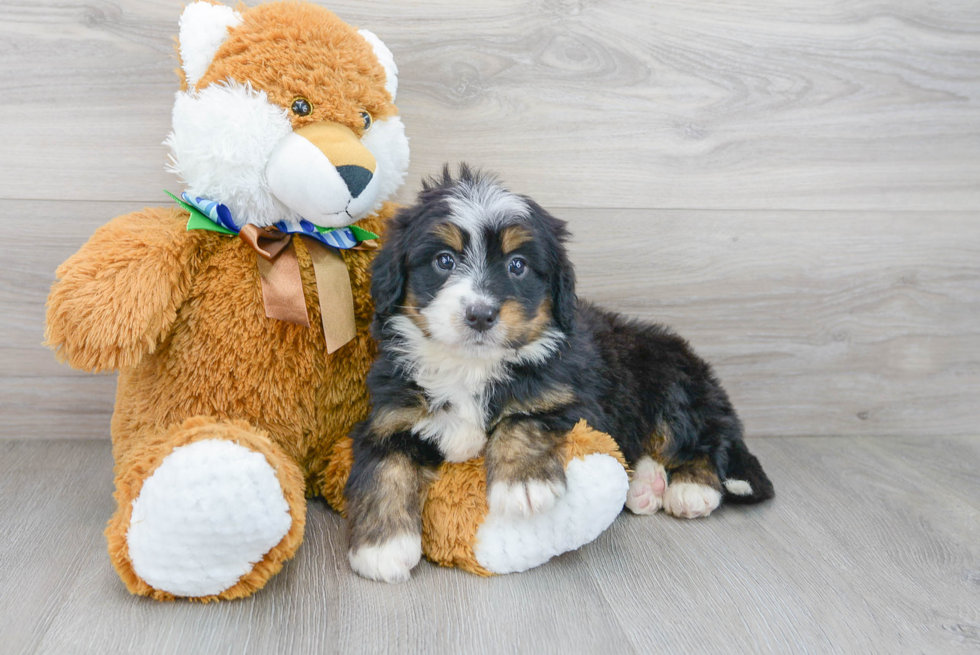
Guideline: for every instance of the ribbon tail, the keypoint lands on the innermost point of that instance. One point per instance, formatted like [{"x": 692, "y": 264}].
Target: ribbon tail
[
  {"x": 282, "y": 286},
  {"x": 336, "y": 297}
]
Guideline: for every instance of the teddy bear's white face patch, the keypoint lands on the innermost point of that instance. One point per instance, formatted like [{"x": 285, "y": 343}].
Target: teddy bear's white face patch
[
  {"x": 231, "y": 144},
  {"x": 222, "y": 138}
]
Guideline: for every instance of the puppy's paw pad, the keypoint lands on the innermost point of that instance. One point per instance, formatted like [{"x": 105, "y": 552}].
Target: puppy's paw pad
[
  {"x": 690, "y": 500},
  {"x": 391, "y": 561},
  {"x": 524, "y": 498},
  {"x": 647, "y": 487}
]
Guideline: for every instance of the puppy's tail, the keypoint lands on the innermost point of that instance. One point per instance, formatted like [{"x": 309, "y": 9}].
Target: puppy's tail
[{"x": 745, "y": 481}]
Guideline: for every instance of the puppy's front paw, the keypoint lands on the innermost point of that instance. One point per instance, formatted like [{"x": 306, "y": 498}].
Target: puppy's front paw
[
  {"x": 524, "y": 498},
  {"x": 391, "y": 561},
  {"x": 689, "y": 500}
]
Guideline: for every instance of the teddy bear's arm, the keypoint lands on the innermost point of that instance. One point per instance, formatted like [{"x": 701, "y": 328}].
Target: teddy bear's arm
[{"x": 117, "y": 297}]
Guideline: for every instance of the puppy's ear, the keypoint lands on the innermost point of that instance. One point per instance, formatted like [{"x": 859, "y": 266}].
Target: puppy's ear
[
  {"x": 563, "y": 291},
  {"x": 388, "y": 271},
  {"x": 554, "y": 235}
]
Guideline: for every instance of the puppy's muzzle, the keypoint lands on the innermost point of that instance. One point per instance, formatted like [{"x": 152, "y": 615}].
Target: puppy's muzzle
[{"x": 481, "y": 316}]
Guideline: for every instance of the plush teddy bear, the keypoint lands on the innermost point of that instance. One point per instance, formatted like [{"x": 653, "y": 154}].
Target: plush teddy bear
[{"x": 238, "y": 319}]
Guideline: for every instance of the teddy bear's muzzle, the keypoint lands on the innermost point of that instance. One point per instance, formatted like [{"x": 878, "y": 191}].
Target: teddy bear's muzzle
[{"x": 323, "y": 173}]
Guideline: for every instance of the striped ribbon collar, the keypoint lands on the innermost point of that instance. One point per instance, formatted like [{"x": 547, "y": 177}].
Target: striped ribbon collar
[{"x": 211, "y": 215}]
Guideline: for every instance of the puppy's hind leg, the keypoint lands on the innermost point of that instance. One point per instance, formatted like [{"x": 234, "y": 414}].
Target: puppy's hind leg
[
  {"x": 693, "y": 489},
  {"x": 647, "y": 487}
]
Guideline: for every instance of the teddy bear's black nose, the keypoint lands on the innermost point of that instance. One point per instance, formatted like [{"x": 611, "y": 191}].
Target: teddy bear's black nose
[{"x": 356, "y": 178}]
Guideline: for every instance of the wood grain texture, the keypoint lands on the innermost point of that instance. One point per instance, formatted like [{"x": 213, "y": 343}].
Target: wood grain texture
[
  {"x": 818, "y": 323},
  {"x": 872, "y": 545},
  {"x": 750, "y": 104}
]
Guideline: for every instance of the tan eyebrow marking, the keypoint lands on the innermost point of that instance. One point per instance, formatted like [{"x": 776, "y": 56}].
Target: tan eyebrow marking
[
  {"x": 513, "y": 237},
  {"x": 451, "y": 235}
]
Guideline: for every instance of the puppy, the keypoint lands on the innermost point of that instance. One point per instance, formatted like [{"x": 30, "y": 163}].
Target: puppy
[{"x": 484, "y": 348}]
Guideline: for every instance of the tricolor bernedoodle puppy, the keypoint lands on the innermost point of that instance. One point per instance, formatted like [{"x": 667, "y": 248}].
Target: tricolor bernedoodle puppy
[{"x": 484, "y": 347}]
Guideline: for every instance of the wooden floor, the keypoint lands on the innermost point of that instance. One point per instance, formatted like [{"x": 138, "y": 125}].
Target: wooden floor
[{"x": 872, "y": 545}]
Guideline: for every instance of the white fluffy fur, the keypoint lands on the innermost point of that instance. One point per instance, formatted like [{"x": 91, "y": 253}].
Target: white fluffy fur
[
  {"x": 386, "y": 59},
  {"x": 476, "y": 205},
  {"x": 643, "y": 497},
  {"x": 524, "y": 498},
  {"x": 460, "y": 432},
  {"x": 303, "y": 179},
  {"x": 689, "y": 500},
  {"x": 222, "y": 139},
  {"x": 391, "y": 561},
  {"x": 387, "y": 142},
  {"x": 209, "y": 512},
  {"x": 203, "y": 28},
  {"x": 738, "y": 487},
  {"x": 596, "y": 490},
  {"x": 460, "y": 377}
]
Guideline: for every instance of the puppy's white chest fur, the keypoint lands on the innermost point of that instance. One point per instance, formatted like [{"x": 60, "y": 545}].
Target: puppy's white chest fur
[
  {"x": 457, "y": 385},
  {"x": 457, "y": 392}
]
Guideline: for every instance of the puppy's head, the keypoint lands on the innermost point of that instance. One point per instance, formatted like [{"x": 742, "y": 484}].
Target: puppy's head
[{"x": 475, "y": 268}]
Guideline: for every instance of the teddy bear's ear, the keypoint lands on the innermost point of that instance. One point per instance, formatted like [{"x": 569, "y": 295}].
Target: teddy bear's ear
[
  {"x": 203, "y": 28},
  {"x": 384, "y": 56}
]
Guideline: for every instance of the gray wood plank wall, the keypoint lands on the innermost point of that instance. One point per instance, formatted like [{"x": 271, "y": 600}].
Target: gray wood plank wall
[{"x": 793, "y": 185}]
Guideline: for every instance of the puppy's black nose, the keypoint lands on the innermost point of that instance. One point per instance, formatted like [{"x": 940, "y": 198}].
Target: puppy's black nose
[
  {"x": 356, "y": 178},
  {"x": 481, "y": 316}
]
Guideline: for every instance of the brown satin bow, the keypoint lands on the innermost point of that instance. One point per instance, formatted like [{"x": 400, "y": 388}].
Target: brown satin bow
[{"x": 282, "y": 284}]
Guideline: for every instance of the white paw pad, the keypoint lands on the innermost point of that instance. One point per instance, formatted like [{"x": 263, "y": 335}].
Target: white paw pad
[
  {"x": 391, "y": 561},
  {"x": 690, "y": 500},
  {"x": 646, "y": 494},
  {"x": 524, "y": 498},
  {"x": 205, "y": 517}
]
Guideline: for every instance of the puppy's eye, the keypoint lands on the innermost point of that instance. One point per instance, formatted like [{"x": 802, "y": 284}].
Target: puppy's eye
[
  {"x": 445, "y": 261},
  {"x": 302, "y": 107},
  {"x": 368, "y": 121},
  {"x": 517, "y": 266}
]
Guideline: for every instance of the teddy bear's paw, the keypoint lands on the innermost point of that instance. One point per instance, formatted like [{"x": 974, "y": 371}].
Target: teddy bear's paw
[
  {"x": 596, "y": 487},
  {"x": 689, "y": 500},
  {"x": 205, "y": 517},
  {"x": 647, "y": 488},
  {"x": 524, "y": 498},
  {"x": 391, "y": 561}
]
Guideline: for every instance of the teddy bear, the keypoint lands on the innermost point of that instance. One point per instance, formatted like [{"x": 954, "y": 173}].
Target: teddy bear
[{"x": 238, "y": 318}]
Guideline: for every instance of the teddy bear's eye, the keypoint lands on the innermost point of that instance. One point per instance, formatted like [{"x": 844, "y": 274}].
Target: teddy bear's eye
[
  {"x": 368, "y": 121},
  {"x": 302, "y": 107}
]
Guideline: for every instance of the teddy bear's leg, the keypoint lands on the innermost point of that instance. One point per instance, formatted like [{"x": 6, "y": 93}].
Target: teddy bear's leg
[
  {"x": 206, "y": 509},
  {"x": 459, "y": 530}
]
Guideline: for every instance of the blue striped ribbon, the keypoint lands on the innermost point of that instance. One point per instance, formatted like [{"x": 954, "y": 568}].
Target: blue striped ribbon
[{"x": 336, "y": 237}]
